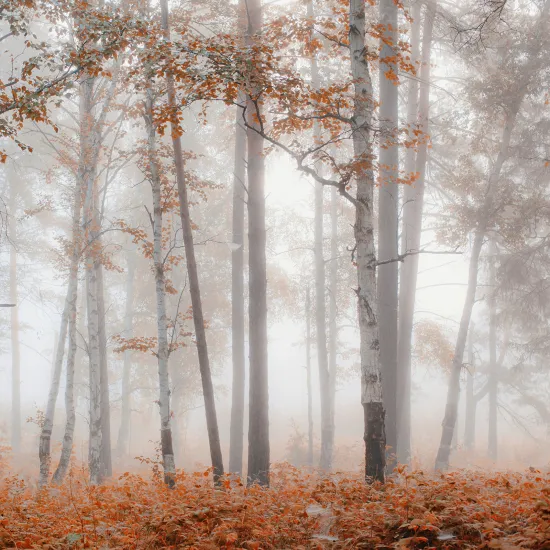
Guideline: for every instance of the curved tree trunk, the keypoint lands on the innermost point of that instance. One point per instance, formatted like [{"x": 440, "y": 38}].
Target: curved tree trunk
[
  {"x": 371, "y": 376},
  {"x": 388, "y": 200},
  {"x": 194, "y": 286}
]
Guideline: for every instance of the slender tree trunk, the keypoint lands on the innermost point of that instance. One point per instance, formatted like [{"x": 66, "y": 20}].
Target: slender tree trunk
[
  {"x": 87, "y": 174},
  {"x": 236, "y": 438},
  {"x": 194, "y": 286},
  {"x": 106, "y": 454},
  {"x": 55, "y": 342},
  {"x": 309, "y": 388},
  {"x": 320, "y": 300},
  {"x": 15, "y": 349},
  {"x": 387, "y": 219},
  {"x": 333, "y": 311},
  {"x": 44, "y": 451},
  {"x": 124, "y": 431},
  {"x": 258, "y": 402},
  {"x": 449, "y": 421},
  {"x": 471, "y": 403},
  {"x": 492, "y": 447},
  {"x": 160, "y": 288},
  {"x": 371, "y": 376},
  {"x": 413, "y": 198},
  {"x": 70, "y": 422}
]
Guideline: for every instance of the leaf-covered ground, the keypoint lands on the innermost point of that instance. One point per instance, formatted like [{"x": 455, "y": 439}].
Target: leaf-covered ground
[{"x": 462, "y": 509}]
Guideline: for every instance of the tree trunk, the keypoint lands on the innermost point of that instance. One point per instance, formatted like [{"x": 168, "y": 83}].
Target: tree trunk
[
  {"x": 492, "y": 447},
  {"x": 194, "y": 286},
  {"x": 15, "y": 349},
  {"x": 160, "y": 288},
  {"x": 413, "y": 198},
  {"x": 471, "y": 403},
  {"x": 320, "y": 302},
  {"x": 258, "y": 412},
  {"x": 236, "y": 438},
  {"x": 44, "y": 451},
  {"x": 449, "y": 421},
  {"x": 371, "y": 376},
  {"x": 106, "y": 454},
  {"x": 70, "y": 422},
  {"x": 124, "y": 431},
  {"x": 388, "y": 230},
  {"x": 333, "y": 310},
  {"x": 309, "y": 388}
]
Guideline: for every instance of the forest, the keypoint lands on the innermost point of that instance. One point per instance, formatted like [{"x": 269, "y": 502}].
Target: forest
[{"x": 275, "y": 274}]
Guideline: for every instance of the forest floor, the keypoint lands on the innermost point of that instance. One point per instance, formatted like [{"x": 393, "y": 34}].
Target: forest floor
[{"x": 461, "y": 509}]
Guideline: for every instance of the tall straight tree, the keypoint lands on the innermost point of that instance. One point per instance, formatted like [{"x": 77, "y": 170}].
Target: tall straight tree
[
  {"x": 236, "y": 437},
  {"x": 413, "y": 199},
  {"x": 371, "y": 375},
  {"x": 192, "y": 272},
  {"x": 492, "y": 446},
  {"x": 388, "y": 199},
  {"x": 258, "y": 412},
  {"x": 124, "y": 430},
  {"x": 333, "y": 309},
  {"x": 163, "y": 352},
  {"x": 308, "y": 374},
  {"x": 327, "y": 430},
  {"x": 15, "y": 349}
]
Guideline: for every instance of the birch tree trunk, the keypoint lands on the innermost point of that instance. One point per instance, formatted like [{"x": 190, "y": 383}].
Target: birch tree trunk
[
  {"x": 14, "y": 326},
  {"x": 413, "y": 198},
  {"x": 70, "y": 422},
  {"x": 309, "y": 388},
  {"x": 258, "y": 402},
  {"x": 492, "y": 444},
  {"x": 124, "y": 431},
  {"x": 327, "y": 431},
  {"x": 69, "y": 309},
  {"x": 160, "y": 289},
  {"x": 388, "y": 200},
  {"x": 471, "y": 403},
  {"x": 194, "y": 286},
  {"x": 371, "y": 376},
  {"x": 236, "y": 437},
  {"x": 453, "y": 392}
]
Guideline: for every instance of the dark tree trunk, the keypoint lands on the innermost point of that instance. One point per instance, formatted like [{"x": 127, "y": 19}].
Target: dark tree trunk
[
  {"x": 413, "y": 198},
  {"x": 387, "y": 280},
  {"x": 236, "y": 438},
  {"x": 194, "y": 286},
  {"x": 258, "y": 412}
]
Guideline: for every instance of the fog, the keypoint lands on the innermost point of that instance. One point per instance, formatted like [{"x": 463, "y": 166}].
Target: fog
[{"x": 100, "y": 214}]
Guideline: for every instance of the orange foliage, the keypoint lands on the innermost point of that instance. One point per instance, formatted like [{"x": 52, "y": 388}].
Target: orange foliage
[{"x": 300, "y": 510}]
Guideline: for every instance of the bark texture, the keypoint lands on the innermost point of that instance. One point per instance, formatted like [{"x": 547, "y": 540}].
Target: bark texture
[
  {"x": 309, "y": 388},
  {"x": 471, "y": 403},
  {"x": 371, "y": 376},
  {"x": 167, "y": 449}
]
